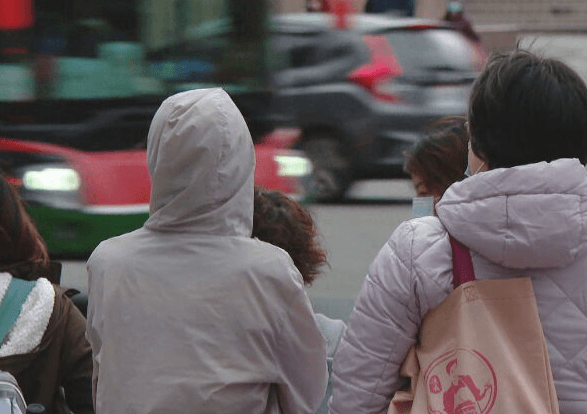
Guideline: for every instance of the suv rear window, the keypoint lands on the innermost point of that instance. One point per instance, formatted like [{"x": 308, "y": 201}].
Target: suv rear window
[
  {"x": 313, "y": 58},
  {"x": 434, "y": 49}
]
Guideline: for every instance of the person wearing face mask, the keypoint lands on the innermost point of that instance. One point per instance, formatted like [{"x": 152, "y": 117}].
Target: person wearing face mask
[
  {"x": 436, "y": 161},
  {"x": 523, "y": 212},
  {"x": 478, "y": 164}
]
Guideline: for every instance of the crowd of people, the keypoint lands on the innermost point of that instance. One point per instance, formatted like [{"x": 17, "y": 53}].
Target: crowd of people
[
  {"x": 207, "y": 300},
  {"x": 204, "y": 308}
]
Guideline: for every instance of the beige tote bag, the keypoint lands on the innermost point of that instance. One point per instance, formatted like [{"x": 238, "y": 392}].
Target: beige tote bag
[{"x": 481, "y": 351}]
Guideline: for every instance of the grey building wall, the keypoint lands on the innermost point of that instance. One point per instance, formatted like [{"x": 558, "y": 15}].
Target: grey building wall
[{"x": 528, "y": 14}]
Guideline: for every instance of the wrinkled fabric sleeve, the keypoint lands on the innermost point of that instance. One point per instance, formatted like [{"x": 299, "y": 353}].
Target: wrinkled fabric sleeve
[
  {"x": 301, "y": 359},
  {"x": 93, "y": 327},
  {"x": 77, "y": 361},
  {"x": 382, "y": 327}
]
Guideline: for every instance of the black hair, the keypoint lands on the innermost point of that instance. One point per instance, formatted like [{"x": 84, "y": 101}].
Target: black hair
[{"x": 526, "y": 109}]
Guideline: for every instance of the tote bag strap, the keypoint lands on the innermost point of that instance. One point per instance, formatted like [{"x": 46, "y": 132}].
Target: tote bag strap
[
  {"x": 15, "y": 296},
  {"x": 462, "y": 265}
]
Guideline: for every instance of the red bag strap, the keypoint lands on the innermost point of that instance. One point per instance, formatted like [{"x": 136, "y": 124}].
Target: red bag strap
[{"x": 462, "y": 265}]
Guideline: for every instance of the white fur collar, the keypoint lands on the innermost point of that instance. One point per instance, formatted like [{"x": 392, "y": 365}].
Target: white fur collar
[{"x": 30, "y": 325}]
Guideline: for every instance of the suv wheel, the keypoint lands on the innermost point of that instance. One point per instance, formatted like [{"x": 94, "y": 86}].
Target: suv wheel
[{"x": 331, "y": 176}]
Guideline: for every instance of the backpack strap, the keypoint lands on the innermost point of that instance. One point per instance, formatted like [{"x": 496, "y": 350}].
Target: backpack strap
[
  {"x": 11, "y": 305},
  {"x": 462, "y": 265}
]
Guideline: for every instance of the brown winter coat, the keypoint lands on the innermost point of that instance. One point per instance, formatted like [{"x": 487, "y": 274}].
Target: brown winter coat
[{"x": 62, "y": 362}]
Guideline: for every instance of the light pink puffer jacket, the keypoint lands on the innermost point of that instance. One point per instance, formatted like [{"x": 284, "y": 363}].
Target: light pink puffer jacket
[{"x": 524, "y": 221}]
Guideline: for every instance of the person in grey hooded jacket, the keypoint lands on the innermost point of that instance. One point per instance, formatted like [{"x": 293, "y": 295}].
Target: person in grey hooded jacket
[
  {"x": 189, "y": 313},
  {"x": 523, "y": 212}
]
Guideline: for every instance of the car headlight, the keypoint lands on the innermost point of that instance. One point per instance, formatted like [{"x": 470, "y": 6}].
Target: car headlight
[
  {"x": 51, "y": 179},
  {"x": 293, "y": 165},
  {"x": 53, "y": 184}
]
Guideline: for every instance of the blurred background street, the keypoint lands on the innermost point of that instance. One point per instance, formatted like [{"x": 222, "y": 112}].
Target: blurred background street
[
  {"x": 353, "y": 232},
  {"x": 332, "y": 102}
]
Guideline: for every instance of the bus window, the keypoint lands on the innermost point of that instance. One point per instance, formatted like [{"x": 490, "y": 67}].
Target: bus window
[{"x": 110, "y": 49}]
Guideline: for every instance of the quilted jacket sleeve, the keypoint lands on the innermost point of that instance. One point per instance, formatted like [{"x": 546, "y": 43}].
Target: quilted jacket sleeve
[
  {"x": 383, "y": 324},
  {"x": 95, "y": 322}
]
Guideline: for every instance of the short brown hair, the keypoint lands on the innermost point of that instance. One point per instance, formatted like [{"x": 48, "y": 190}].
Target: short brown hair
[
  {"x": 440, "y": 157},
  {"x": 279, "y": 220}
]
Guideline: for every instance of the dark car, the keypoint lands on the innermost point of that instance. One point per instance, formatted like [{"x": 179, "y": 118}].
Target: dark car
[{"x": 362, "y": 95}]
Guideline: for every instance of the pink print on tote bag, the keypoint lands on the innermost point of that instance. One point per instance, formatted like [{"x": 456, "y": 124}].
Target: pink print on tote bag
[{"x": 480, "y": 351}]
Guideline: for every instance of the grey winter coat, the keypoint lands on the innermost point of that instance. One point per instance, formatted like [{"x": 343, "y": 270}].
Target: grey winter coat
[{"x": 189, "y": 314}]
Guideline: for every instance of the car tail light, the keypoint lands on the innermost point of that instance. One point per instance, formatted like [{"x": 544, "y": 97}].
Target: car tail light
[{"x": 380, "y": 71}]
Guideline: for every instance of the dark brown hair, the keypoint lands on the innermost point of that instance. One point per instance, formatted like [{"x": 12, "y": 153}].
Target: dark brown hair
[
  {"x": 279, "y": 220},
  {"x": 440, "y": 158},
  {"x": 22, "y": 250}
]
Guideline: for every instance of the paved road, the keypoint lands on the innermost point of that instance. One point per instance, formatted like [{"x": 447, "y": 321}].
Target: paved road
[{"x": 353, "y": 233}]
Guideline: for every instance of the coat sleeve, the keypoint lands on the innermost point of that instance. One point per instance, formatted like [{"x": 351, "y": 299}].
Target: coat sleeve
[
  {"x": 382, "y": 327},
  {"x": 301, "y": 359},
  {"x": 77, "y": 361},
  {"x": 94, "y": 325}
]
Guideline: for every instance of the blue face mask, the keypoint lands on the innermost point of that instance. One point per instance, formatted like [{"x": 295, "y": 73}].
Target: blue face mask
[
  {"x": 468, "y": 171},
  {"x": 422, "y": 206}
]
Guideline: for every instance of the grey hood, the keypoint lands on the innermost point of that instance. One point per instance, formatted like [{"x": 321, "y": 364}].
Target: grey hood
[{"x": 201, "y": 162}]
